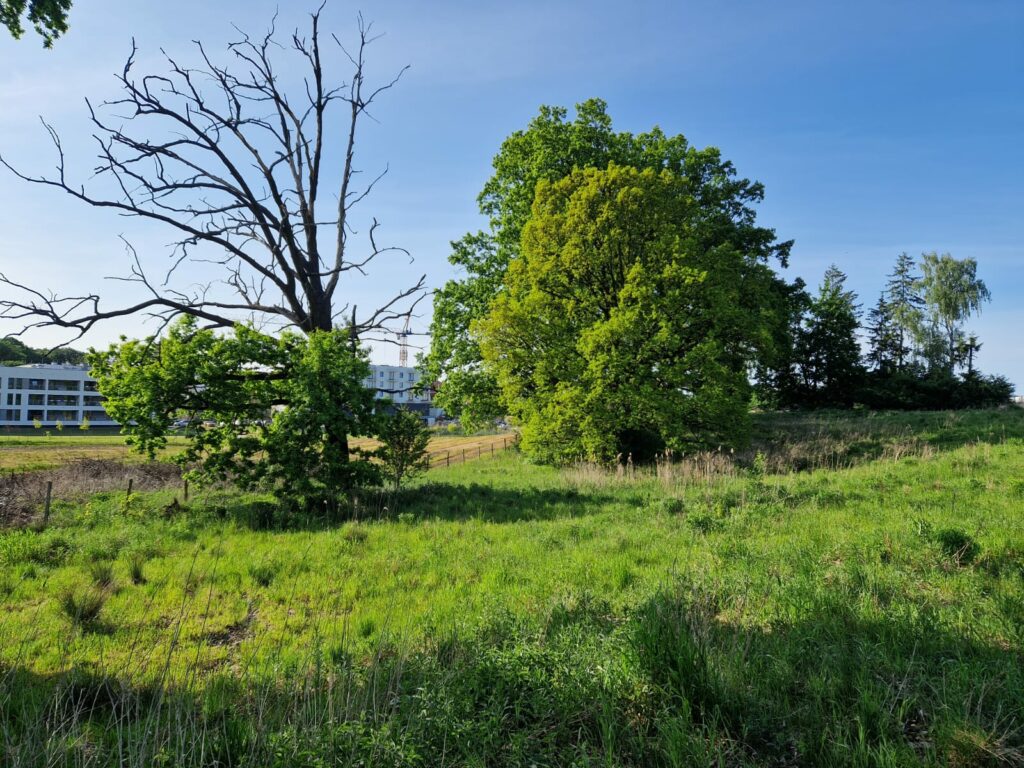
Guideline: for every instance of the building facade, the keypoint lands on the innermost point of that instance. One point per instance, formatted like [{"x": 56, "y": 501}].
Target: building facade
[
  {"x": 47, "y": 394},
  {"x": 402, "y": 385}
]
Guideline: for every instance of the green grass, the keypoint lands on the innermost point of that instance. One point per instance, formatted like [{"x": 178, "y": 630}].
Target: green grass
[{"x": 867, "y": 611}]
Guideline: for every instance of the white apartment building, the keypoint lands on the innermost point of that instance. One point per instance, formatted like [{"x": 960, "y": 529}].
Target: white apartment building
[
  {"x": 399, "y": 384},
  {"x": 49, "y": 394},
  {"x": 67, "y": 393}
]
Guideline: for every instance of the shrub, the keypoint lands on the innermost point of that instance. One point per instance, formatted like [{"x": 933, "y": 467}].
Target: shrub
[{"x": 403, "y": 451}]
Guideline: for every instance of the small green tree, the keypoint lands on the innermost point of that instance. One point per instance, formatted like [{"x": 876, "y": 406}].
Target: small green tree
[
  {"x": 952, "y": 292},
  {"x": 84, "y": 426},
  {"x": 312, "y": 384},
  {"x": 403, "y": 450}
]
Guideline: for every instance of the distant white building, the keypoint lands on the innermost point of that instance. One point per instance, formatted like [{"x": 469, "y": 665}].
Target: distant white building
[
  {"x": 402, "y": 385},
  {"x": 68, "y": 394},
  {"x": 49, "y": 394}
]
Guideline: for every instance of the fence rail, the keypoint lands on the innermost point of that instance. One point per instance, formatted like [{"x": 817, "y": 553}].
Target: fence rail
[{"x": 490, "y": 445}]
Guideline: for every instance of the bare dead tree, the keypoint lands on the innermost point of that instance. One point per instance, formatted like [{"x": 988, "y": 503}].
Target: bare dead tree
[{"x": 236, "y": 166}]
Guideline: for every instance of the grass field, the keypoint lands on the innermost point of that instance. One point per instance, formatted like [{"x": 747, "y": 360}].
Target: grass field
[
  {"x": 38, "y": 451},
  {"x": 848, "y": 592}
]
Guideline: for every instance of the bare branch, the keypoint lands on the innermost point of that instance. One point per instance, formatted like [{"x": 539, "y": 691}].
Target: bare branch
[{"x": 233, "y": 164}]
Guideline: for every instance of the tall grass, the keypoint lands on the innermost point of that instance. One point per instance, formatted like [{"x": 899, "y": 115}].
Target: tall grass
[{"x": 709, "y": 610}]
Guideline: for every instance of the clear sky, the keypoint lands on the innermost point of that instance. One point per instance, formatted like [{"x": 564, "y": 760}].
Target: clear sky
[{"x": 877, "y": 126}]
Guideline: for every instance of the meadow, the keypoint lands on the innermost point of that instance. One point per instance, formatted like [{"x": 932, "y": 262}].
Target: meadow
[{"x": 849, "y": 591}]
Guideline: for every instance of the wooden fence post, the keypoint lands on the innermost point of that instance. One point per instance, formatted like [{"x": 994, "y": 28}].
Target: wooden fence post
[
  {"x": 46, "y": 509},
  {"x": 463, "y": 455},
  {"x": 128, "y": 496},
  {"x": 185, "y": 491},
  {"x": 448, "y": 458}
]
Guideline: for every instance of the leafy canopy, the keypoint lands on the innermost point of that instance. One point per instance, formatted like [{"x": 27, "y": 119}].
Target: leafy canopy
[
  {"x": 629, "y": 317},
  {"x": 277, "y": 410},
  {"x": 549, "y": 149},
  {"x": 49, "y": 18}
]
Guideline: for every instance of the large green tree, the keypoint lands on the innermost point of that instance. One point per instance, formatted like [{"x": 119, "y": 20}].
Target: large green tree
[
  {"x": 49, "y": 18},
  {"x": 549, "y": 149},
  {"x": 629, "y": 318}
]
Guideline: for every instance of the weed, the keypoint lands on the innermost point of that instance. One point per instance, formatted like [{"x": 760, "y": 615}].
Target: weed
[
  {"x": 136, "y": 567},
  {"x": 102, "y": 573},
  {"x": 263, "y": 573},
  {"x": 958, "y": 545},
  {"x": 82, "y": 608}
]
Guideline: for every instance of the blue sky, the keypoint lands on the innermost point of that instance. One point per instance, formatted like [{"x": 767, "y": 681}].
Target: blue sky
[{"x": 876, "y": 127}]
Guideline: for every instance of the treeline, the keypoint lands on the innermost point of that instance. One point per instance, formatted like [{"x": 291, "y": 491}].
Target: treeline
[
  {"x": 919, "y": 354},
  {"x": 624, "y": 300},
  {"x": 15, "y": 352}
]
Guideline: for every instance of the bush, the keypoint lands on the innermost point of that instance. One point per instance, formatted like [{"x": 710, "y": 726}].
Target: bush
[{"x": 403, "y": 453}]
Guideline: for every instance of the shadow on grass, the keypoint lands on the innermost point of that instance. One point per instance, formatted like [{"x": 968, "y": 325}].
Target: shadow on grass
[
  {"x": 434, "y": 501},
  {"x": 800, "y": 441},
  {"x": 680, "y": 686},
  {"x": 834, "y": 688}
]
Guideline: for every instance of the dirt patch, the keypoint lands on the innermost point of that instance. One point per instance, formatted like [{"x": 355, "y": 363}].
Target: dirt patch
[{"x": 23, "y": 494}]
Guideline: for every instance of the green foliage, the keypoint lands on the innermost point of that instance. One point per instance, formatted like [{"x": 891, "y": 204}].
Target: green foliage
[
  {"x": 277, "y": 412},
  {"x": 549, "y": 149},
  {"x": 49, "y": 18},
  {"x": 916, "y": 343},
  {"x": 827, "y": 352},
  {"x": 137, "y": 567},
  {"x": 14, "y": 352},
  {"x": 952, "y": 292},
  {"x": 628, "y": 320},
  {"x": 526, "y": 615},
  {"x": 263, "y": 573},
  {"x": 82, "y": 608},
  {"x": 102, "y": 573},
  {"x": 403, "y": 449}
]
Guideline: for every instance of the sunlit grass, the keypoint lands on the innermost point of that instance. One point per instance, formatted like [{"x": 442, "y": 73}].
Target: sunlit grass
[{"x": 709, "y": 609}]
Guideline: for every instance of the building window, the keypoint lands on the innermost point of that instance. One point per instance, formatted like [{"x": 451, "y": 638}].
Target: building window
[
  {"x": 62, "y": 415},
  {"x": 34, "y": 415},
  {"x": 90, "y": 386},
  {"x": 13, "y": 383},
  {"x": 10, "y": 414},
  {"x": 62, "y": 400},
  {"x": 93, "y": 400},
  {"x": 36, "y": 384},
  {"x": 13, "y": 399},
  {"x": 36, "y": 399},
  {"x": 63, "y": 385}
]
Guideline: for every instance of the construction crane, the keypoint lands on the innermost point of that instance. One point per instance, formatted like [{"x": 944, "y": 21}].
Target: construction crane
[{"x": 403, "y": 344}]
